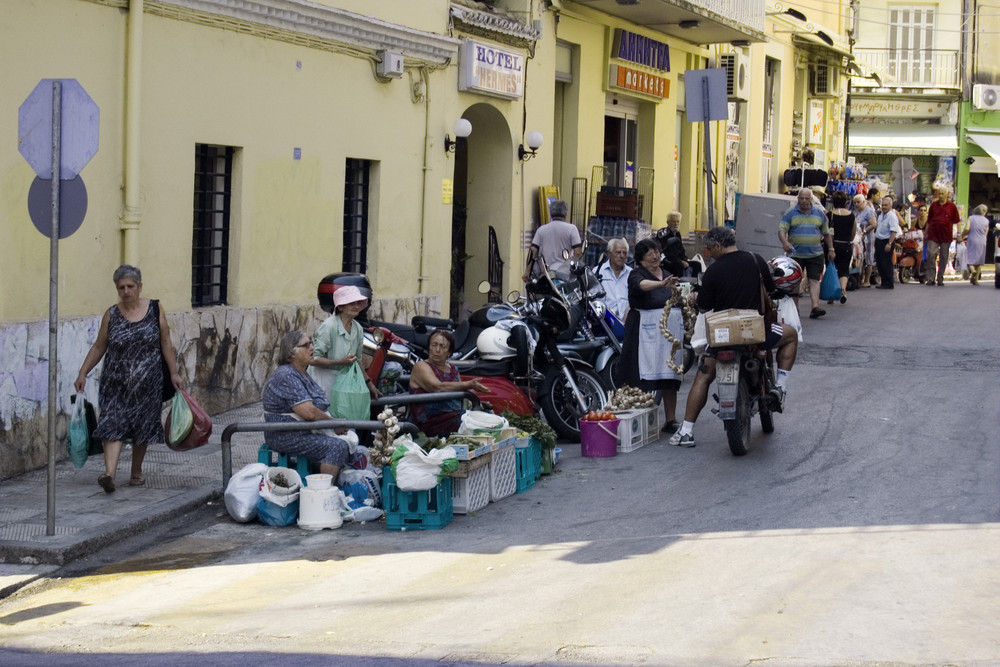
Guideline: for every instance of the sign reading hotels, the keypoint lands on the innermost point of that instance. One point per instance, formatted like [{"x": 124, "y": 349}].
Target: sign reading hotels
[
  {"x": 641, "y": 53},
  {"x": 491, "y": 70}
]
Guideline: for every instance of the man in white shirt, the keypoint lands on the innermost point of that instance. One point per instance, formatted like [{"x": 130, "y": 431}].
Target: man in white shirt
[
  {"x": 613, "y": 275},
  {"x": 886, "y": 229}
]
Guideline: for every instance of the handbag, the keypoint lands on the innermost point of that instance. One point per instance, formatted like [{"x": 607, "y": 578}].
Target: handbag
[
  {"x": 167, "y": 392},
  {"x": 767, "y": 306},
  {"x": 200, "y": 430},
  {"x": 78, "y": 436},
  {"x": 349, "y": 396}
]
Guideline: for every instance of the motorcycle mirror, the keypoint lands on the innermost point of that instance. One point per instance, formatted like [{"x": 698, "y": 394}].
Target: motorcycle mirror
[
  {"x": 378, "y": 334},
  {"x": 565, "y": 253},
  {"x": 514, "y": 296},
  {"x": 484, "y": 287}
]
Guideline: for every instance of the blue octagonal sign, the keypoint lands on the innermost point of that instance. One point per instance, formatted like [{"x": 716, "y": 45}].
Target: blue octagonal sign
[{"x": 80, "y": 126}]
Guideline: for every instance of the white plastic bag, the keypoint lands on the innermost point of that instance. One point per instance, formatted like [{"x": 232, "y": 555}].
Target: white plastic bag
[
  {"x": 243, "y": 491},
  {"x": 281, "y": 496},
  {"x": 699, "y": 339},
  {"x": 961, "y": 257},
  {"x": 417, "y": 470},
  {"x": 475, "y": 421},
  {"x": 788, "y": 313}
]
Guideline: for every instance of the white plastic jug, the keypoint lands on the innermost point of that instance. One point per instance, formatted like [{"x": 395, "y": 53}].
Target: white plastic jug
[{"x": 320, "y": 508}]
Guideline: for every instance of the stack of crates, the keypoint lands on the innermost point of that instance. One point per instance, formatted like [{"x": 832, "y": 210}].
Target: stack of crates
[
  {"x": 471, "y": 492},
  {"x": 631, "y": 430},
  {"x": 416, "y": 510},
  {"x": 503, "y": 470}
]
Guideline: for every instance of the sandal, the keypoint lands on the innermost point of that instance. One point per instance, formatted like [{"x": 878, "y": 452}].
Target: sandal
[
  {"x": 137, "y": 481},
  {"x": 671, "y": 426},
  {"x": 107, "y": 483},
  {"x": 816, "y": 313}
]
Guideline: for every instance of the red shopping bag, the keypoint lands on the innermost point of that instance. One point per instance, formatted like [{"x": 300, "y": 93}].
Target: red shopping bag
[{"x": 200, "y": 432}]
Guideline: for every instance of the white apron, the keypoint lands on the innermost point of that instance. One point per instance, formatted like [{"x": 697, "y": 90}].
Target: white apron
[{"x": 654, "y": 348}]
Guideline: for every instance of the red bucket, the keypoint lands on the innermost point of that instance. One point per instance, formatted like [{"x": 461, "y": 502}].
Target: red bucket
[{"x": 599, "y": 438}]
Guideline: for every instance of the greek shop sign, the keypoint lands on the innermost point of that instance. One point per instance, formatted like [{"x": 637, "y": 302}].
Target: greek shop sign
[
  {"x": 640, "y": 50},
  {"x": 641, "y": 82},
  {"x": 490, "y": 70}
]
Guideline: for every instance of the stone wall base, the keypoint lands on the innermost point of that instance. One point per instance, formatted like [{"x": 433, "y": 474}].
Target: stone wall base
[{"x": 225, "y": 355}]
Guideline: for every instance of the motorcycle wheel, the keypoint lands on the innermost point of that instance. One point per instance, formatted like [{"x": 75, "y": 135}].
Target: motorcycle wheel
[
  {"x": 559, "y": 404},
  {"x": 738, "y": 430},
  {"x": 905, "y": 273},
  {"x": 610, "y": 372}
]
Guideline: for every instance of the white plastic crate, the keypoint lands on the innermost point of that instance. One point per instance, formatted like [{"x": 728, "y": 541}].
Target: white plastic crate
[
  {"x": 653, "y": 423},
  {"x": 631, "y": 432},
  {"x": 503, "y": 473},
  {"x": 472, "y": 493}
]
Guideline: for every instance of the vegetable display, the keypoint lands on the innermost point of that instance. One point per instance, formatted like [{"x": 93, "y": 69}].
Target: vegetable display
[{"x": 595, "y": 416}]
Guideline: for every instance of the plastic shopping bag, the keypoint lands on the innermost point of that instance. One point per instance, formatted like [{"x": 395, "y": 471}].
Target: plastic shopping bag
[
  {"x": 243, "y": 492},
  {"x": 699, "y": 339},
  {"x": 349, "y": 397},
  {"x": 180, "y": 419},
  {"x": 200, "y": 431},
  {"x": 830, "y": 287},
  {"x": 416, "y": 470},
  {"x": 78, "y": 442},
  {"x": 788, "y": 313}
]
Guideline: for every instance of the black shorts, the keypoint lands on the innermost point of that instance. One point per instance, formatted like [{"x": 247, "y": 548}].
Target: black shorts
[{"x": 813, "y": 266}]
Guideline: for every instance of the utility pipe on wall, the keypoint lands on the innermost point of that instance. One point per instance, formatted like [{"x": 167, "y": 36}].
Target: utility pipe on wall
[{"x": 132, "y": 215}]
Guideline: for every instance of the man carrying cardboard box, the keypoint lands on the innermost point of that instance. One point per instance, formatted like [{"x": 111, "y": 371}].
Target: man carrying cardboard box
[{"x": 734, "y": 281}]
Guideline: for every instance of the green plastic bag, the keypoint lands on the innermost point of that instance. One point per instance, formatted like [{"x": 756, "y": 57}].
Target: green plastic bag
[
  {"x": 78, "y": 442},
  {"x": 181, "y": 420},
  {"x": 350, "y": 398}
]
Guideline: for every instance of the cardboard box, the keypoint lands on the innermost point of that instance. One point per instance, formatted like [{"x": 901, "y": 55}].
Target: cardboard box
[
  {"x": 734, "y": 327},
  {"x": 466, "y": 467},
  {"x": 464, "y": 452}
]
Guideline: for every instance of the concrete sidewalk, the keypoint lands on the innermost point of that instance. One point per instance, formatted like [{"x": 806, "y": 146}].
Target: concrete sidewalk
[{"x": 87, "y": 519}]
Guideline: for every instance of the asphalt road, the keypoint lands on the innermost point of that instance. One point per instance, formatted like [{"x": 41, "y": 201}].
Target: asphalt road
[{"x": 863, "y": 531}]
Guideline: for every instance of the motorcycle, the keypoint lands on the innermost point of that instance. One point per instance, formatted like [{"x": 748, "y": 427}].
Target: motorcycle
[
  {"x": 598, "y": 332},
  {"x": 526, "y": 349},
  {"x": 908, "y": 259},
  {"x": 744, "y": 377}
]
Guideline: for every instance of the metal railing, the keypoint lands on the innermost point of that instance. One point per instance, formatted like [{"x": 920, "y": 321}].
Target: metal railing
[
  {"x": 748, "y": 12},
  {"x": 909, "y": 68},
  {"x": 357, "y": 425}
]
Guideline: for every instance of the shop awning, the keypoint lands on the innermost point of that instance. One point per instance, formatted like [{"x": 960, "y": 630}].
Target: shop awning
[
  {"x": 903, "y": 139},
  {"x": 989, "y": 143}
]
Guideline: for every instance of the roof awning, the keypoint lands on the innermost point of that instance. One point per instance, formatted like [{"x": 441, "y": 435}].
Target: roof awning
[
  {"x": 909, "y": 139},
  {"x": 989, "y": 143}
]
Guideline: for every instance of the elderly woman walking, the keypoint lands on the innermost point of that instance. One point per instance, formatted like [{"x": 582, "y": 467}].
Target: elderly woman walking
[
  {"x": 975, "y": 242},
  {"x": 132, "y": 340}
]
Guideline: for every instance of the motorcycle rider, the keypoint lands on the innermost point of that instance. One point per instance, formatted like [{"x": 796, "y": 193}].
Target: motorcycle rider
[{"x": 733, "y": 281}]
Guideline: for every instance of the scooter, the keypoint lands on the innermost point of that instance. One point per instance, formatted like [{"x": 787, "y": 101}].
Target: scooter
[
  {"x": 744, "y": 375},
  {"x": 908, "y": 259}
]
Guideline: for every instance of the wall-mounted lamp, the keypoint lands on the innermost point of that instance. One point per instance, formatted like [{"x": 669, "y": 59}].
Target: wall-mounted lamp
[
  {"x": 970, "y": 160},
  {"x": 463, "y": 128},
  {"x": 688, "y": 25},
  {"x": 825, "y": 37},
  {"x": 794, "y": 13},
  {"x": 534, "y": 141}
]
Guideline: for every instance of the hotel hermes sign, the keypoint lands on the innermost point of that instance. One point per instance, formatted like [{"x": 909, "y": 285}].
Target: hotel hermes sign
[
  {"x": 488, "y": 69},
  {"x": 645, "y": 54}
]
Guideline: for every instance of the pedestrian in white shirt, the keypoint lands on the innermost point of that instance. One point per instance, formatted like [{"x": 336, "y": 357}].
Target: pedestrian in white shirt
[
  {"x": 886, "y": 229},
  {"x": 614, "y": 277}
]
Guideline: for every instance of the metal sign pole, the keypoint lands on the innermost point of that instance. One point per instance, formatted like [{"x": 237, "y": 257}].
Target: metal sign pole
[
  {"x": 708, "y": 155},
  {"x": 50, "y": 516}
]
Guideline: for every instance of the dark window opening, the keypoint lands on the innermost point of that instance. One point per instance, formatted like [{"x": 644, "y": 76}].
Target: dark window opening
[
  {"x": 356, "y": 187},
  {"x": 213, "y": 170}
]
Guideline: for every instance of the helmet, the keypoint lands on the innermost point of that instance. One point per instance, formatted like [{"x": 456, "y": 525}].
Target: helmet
[
  {"x": 787, "y": 274},
  {"x": 504, "y": 340}
]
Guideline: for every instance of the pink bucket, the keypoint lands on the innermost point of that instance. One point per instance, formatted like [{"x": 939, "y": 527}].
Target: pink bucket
[{"x": 599, "y": 438}]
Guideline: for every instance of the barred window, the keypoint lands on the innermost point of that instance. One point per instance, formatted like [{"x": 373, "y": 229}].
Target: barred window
[
  {"x": 356, "y": 192},
  {"x": 213, "y": 170}
]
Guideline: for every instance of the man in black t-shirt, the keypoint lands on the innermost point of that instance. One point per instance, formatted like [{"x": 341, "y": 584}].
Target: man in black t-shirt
[{"x": 733, "y": 281}]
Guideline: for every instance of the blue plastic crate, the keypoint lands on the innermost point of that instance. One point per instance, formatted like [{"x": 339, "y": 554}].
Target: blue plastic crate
[
  {"x": 416, "y": 510},
  {"x": 271, "y": 458}
]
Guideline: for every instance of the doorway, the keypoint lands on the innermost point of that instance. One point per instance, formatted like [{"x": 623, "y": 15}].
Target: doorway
[
  {"x": 483, "y": 177},
  {"x": 621, "y": 124}
]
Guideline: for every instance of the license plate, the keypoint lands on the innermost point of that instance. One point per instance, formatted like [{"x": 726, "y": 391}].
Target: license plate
[{"x": 726, "y": 373}]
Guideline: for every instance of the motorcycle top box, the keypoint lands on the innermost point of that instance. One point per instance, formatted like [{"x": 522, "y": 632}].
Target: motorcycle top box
[{"x": 334, "y": 281}]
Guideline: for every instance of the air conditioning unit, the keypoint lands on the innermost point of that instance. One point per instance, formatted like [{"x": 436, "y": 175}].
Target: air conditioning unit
[
  {"x": 737, "y": 67},
  {"x": 986, "y": 97},
  {"x": 390, "y": 65},
  {"x": 822, "y": 79}
]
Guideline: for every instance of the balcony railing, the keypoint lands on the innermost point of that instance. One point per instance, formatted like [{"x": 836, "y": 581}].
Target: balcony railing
[
  {"x": 749, "y": 12},
  {"x": 909, "y": 68}
]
